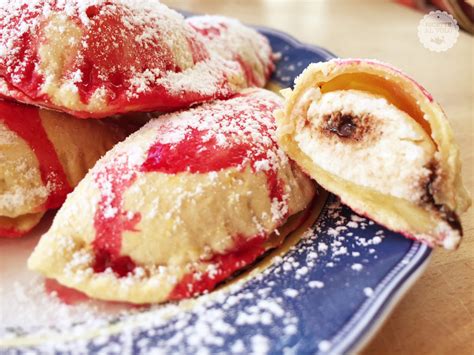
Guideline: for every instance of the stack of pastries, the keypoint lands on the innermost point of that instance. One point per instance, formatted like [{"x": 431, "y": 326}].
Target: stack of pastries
[{"x": 205, "y": 187}]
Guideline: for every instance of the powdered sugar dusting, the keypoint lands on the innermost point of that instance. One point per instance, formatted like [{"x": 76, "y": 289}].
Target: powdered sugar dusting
[
  {"x": 245, "y": 121},
  {"x": 34, "y": 306},
  {"x": 230, "y": 40},
  {"x": 17, "y": 196}
]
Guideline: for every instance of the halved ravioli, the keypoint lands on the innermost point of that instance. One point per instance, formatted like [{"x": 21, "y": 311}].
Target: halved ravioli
[
  {"x": 178, "y": 206},
  {"x": 376, "y": 138},
  {"x": 98, "y": 58},
  {"x": 43, "y": 155}
]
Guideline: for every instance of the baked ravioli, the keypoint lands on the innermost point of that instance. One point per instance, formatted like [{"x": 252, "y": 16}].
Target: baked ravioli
[
  {"x": 177, "y": 207},
  {"x": 376, "y": 138},
  {"x": 43, "y": 155},
  {"x": 233, "y": 41},
  {"x": 97, "y": 58}
]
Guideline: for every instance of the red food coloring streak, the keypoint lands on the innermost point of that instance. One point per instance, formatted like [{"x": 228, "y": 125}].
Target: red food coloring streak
[
  {"x": 121, "y": 265},
  {"x": 193, "y": 156},
  {"x": 92, "y": 11},
  {"x": 25, "y": 121},
  {"x": 252, "y": 80},
  {"x": 110, "y": 220},
  {"x": 245, "y": 252},
  {"x": 213, "y": 30},
  {"x": 268, "y": 64},
  {"x": 198, "y": 50}
]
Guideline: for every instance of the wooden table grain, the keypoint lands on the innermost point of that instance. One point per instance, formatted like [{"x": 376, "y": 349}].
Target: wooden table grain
[{"x": 437, "y": 314}]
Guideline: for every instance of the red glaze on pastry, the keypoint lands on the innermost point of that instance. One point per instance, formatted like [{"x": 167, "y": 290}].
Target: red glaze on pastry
[
  {"x": 99, "y": 58},
  {"x": 25, "y": 121},
  {"x": 44, "y": 154},
  {"x": 179, "y": 206},
  {"x": 113, "y": 180},
  {"x": 244, "y": 253},
  {"x": 196, "y": 153}
]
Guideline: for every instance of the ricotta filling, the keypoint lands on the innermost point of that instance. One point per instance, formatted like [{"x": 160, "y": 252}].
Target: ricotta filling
[{"x": 391, "y": 154}]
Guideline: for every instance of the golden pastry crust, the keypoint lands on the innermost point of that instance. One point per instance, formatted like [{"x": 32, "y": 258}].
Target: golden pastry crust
[
  {"x": 43, "y": 155},
  {"x": 20, "y": 178},
  {"x": 97, "y": 58},
  {"x": 403, "y": 166},
  {"x": 178, "y": 206},
  {"x": 13, "y": 227}
]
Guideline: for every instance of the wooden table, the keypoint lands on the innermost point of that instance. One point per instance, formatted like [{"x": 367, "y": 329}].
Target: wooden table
[{"x": 437, "y": 314}]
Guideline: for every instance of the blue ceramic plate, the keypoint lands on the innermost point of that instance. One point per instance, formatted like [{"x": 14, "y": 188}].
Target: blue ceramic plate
[{"x": 327, "y": 293}]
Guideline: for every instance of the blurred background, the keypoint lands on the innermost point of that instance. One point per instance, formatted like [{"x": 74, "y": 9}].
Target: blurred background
[{"x": 461, "y": 10}]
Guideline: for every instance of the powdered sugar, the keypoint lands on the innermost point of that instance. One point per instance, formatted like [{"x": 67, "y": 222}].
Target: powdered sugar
[
  {"x": 369, "y": 292},
  {"x": 316, "y": 284},
  {"x": 324, "y": 346},
  {"x": 230, "y": 40},
  {"x": 290, "y": 292},
  {"x": 34, "y": 306}
]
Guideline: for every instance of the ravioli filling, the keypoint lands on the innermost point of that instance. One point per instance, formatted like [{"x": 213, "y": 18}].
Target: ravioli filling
[{"x": 373, "y": 141}]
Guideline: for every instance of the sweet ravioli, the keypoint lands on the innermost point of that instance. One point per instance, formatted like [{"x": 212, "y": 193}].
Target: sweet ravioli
[
  {"x": 178, "y": 206},
  {"x": 231, "y": 40},
  {"x": 373, "y": 136},
  {"x": 97, "y": 58},
  {"x": 43, "y": 155}
]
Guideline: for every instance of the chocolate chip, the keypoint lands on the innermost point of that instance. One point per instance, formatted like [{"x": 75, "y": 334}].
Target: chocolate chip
[
  {"x": 448, "y": 215},
  {"x": 452, "y": 219},
  {"x": 346, "y": 126}
]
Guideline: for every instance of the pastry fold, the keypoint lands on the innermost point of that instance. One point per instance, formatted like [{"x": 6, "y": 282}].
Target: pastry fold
[
  {"x": 43, "y": 155},
  {"x": 375, "y": 137},
  {"x": 177, "y": 207},
  {"x": 100, "y": 58}
]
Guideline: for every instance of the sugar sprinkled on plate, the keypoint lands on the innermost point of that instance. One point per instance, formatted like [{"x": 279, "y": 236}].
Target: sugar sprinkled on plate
[
  {"x": 316, "y": 284},
  {"x": 368, "y": 291},
  {"x": 324, "y": 346}
]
